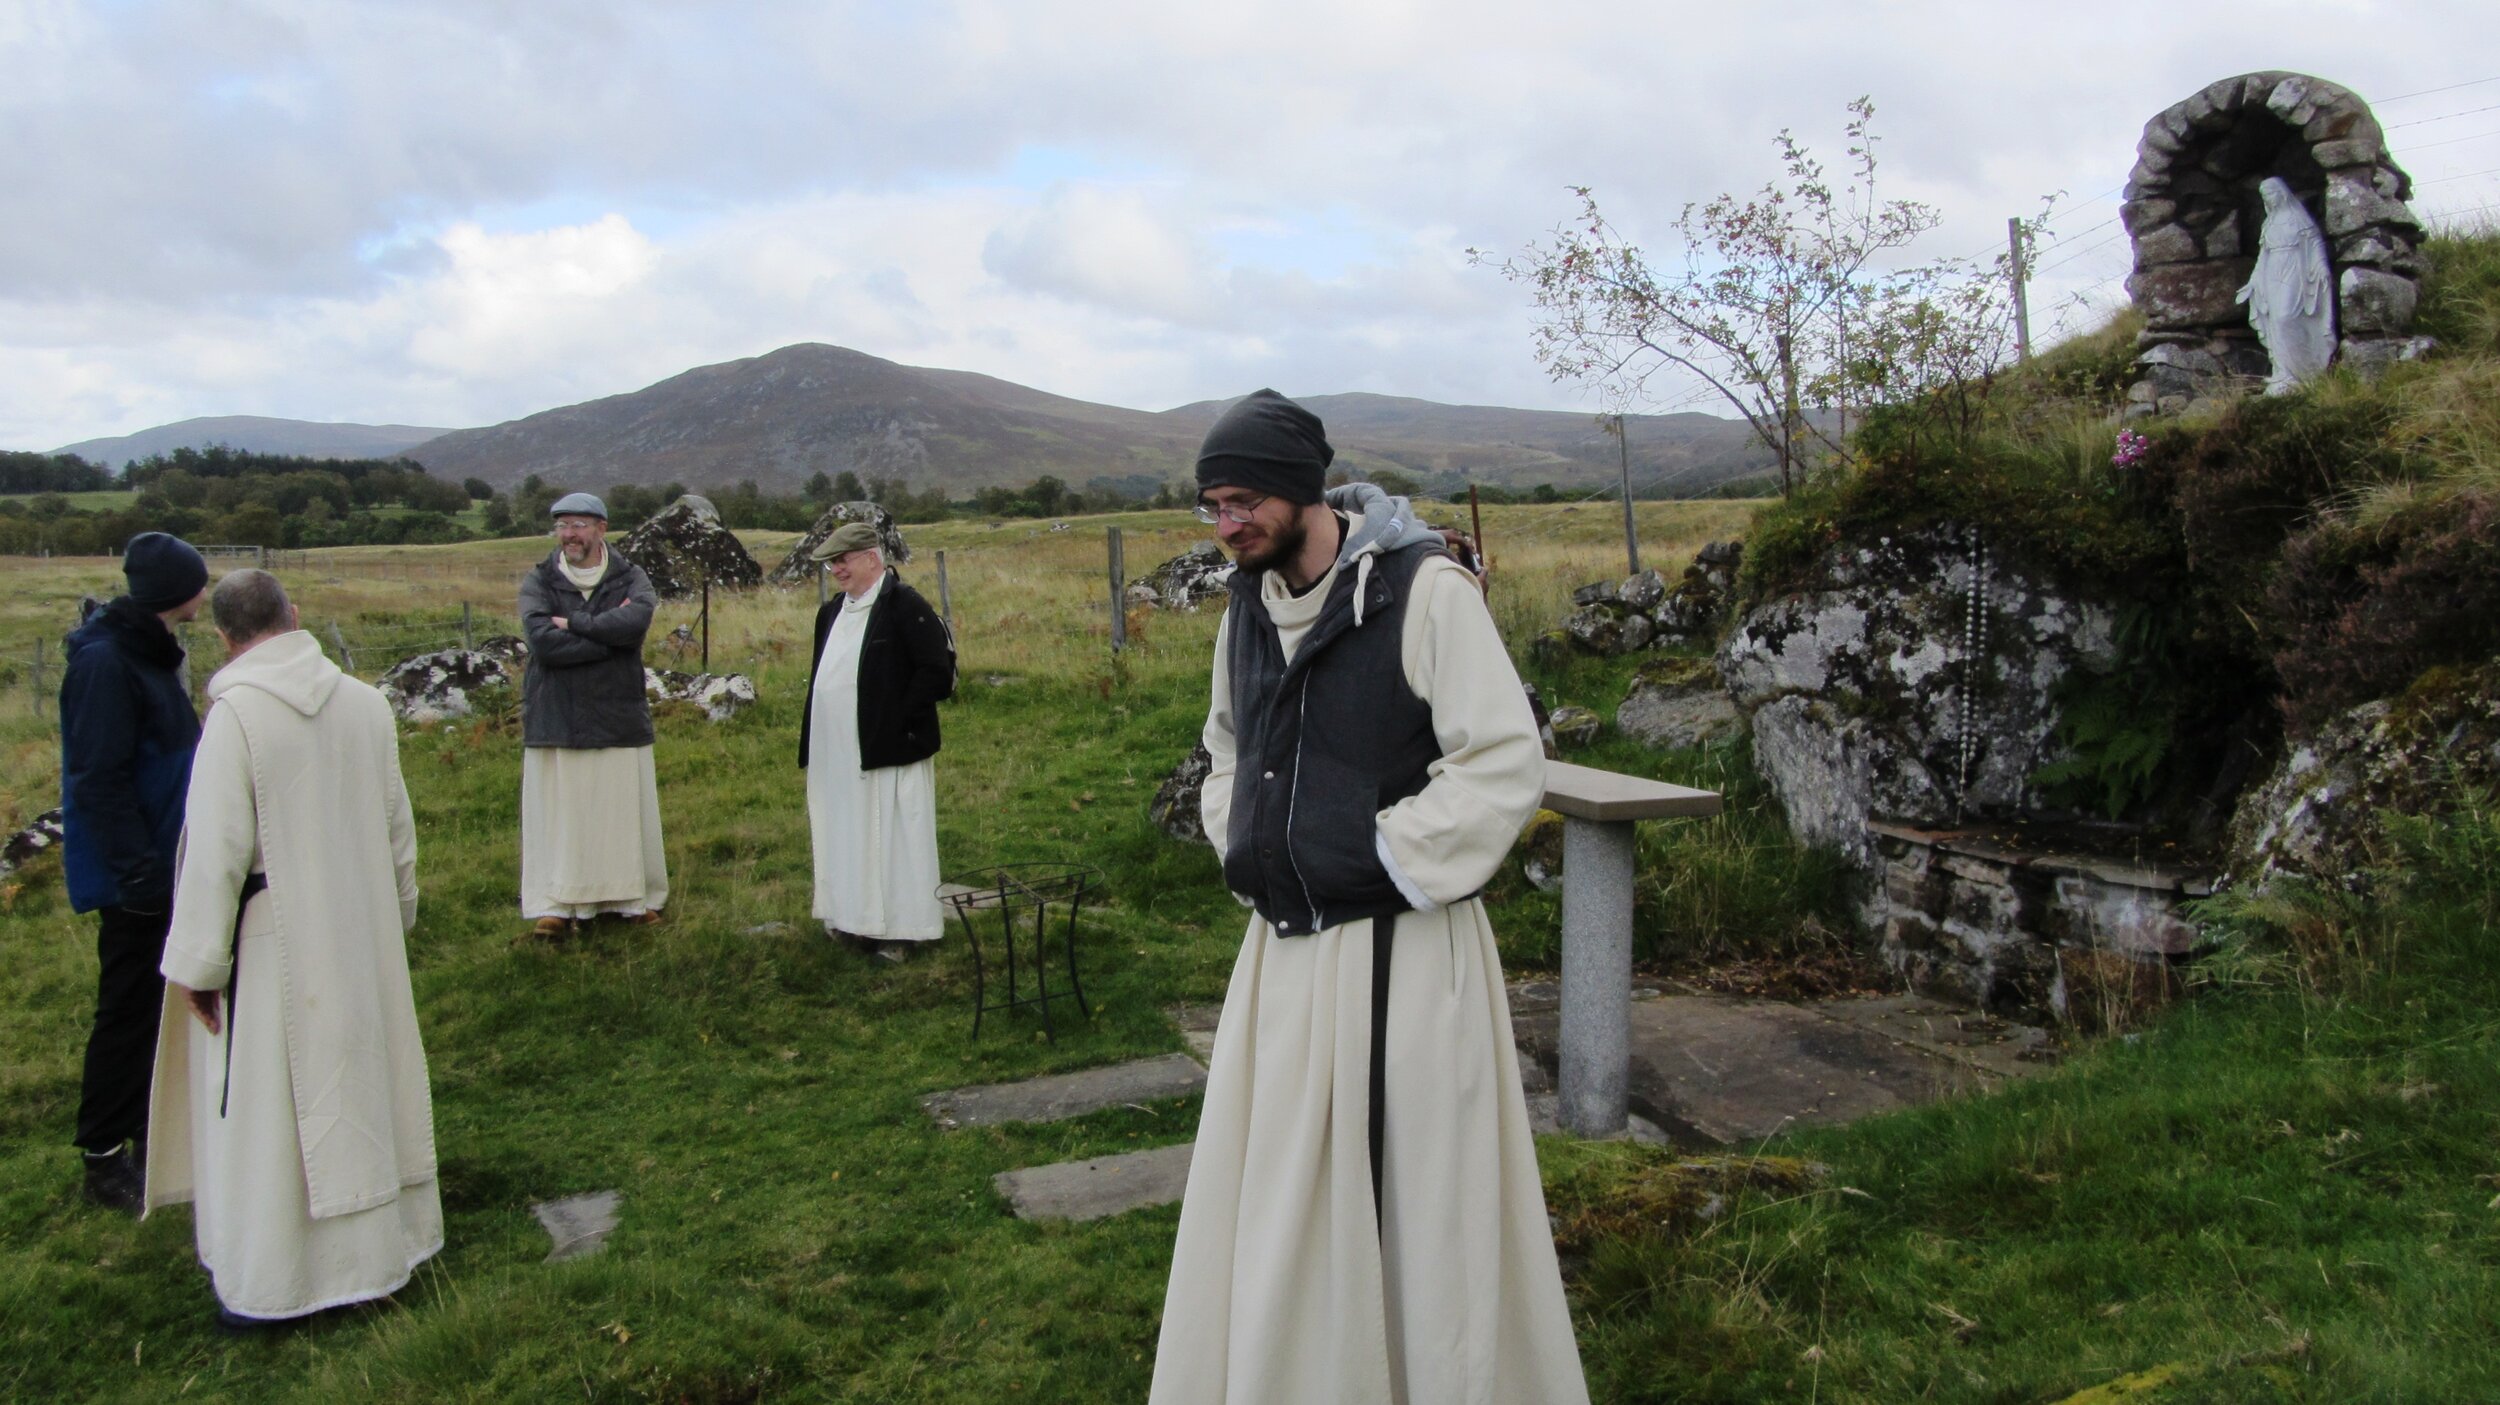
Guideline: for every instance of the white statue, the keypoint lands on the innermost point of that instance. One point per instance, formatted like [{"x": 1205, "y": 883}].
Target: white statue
[{"x": 2291, "y": 293}]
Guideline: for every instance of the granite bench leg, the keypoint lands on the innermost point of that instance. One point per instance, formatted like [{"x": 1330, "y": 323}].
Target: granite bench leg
[{"x": 1596, "y": 1048}]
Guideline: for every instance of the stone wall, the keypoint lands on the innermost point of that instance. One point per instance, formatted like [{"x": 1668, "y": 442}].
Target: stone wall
[
  {"x": 1989, "y": 919},
  {"x": 2193, "y": 212}
]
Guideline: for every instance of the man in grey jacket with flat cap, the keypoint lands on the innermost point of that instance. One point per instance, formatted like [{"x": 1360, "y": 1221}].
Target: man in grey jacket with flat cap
[{"x": 590, "y": 798}]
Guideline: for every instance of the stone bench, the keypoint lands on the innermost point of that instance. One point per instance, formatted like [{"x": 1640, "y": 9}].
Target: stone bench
[{"x": 1600, "y": 810}]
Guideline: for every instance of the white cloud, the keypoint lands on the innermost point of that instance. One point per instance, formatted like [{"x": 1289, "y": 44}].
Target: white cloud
[{"x": 460, "y": 211}]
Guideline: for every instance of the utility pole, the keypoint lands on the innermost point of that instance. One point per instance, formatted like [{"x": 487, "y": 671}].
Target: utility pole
[
  {"x": 2022, "y": 306},
  {"x": 1631, "y": 535}
]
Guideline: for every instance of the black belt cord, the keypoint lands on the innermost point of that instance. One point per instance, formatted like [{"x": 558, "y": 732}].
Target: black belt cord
[
  {"x": 253, "y": 886},
  {"x": 1383, "y": 929}
]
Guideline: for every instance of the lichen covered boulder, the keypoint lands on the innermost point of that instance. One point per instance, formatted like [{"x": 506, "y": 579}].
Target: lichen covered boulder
[
  {"x": 1913, "y": 683},
  {"x": 1676, "y": 703},
  {"x": 796, "y": 567},
  {"x": 1575, "y": 726},
  {"x": 1184, "y": 582},
  {"x": 685, "y": 545},
  {"x": 2320, "y": 816},
  {"x": 1174, "y": 808},
  {"x": 446, "y": 684},
  {"x": 720, "y": 695},
  {"x": 33, "y": 842}
]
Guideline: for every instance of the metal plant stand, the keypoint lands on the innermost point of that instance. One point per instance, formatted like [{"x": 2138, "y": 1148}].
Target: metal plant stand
[{"x": 1014, "y": 892}]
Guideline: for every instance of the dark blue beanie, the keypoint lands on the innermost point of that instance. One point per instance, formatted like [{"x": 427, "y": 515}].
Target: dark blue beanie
[
  {"x": 164, "y": 571},
  {"x": 1268, "y": 443}
]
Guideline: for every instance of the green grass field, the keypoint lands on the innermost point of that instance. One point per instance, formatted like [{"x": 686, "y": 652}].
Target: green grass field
[{"x": 2276, "y": 1196}]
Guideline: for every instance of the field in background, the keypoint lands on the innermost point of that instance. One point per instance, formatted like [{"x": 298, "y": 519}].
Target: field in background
[
  {"x": 2266, "y": 1195},
  {"x": 793, "y": 1226}
]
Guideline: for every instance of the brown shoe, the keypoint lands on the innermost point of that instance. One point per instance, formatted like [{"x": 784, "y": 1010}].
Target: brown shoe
[
  {"x": 651, "y": 918},
  {"x": 551, "y": 929}
]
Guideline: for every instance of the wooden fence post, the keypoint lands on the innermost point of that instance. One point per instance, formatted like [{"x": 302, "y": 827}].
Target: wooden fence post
[{"x": 1119, "y": 604}]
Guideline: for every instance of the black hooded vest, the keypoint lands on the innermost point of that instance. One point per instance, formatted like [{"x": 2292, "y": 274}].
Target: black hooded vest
[{"x": 1323, "y": 743}]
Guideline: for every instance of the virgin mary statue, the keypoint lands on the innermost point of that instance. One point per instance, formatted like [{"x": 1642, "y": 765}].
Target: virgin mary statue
[{"x": 2291, "y": 294}]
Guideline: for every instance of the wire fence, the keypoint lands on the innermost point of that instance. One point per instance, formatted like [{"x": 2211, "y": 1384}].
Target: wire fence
[{"x": 370, "y": 608}]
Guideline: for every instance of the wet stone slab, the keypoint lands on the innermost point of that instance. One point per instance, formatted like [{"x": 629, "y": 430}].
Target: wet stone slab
[
  {"x": 1093, "y": 1190},
  {"x": 579, "y": 1224},
  {"x": 1720, "y": 1071},
  {"x": 1053, "y": 1097}
]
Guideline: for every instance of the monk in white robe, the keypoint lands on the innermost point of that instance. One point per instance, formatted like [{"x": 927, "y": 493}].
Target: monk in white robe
[
  {"x": 1363, "y": 1220},
  {"x": 883, "y": 662},
  {"x": 590, "y": 794},
  {"x": 290, "y": 1104}
]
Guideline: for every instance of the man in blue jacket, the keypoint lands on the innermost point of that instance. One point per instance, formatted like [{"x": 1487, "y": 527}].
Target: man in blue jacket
[{"x": 127, "y": 733}]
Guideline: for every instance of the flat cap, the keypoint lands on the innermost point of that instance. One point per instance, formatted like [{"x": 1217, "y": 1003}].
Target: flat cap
[
  {"x": 850, "y": 536},
  {"x": 579, "y": 505}
]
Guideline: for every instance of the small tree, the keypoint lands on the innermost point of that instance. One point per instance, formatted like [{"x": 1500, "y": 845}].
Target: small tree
[{"x": 1781, "y": 306}]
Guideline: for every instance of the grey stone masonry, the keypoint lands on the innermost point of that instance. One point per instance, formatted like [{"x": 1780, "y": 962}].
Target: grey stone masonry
[{"x": 2032, "y": 933}]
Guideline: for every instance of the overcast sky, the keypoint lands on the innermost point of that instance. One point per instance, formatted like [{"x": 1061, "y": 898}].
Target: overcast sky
[{"x": 460, "y": 213}]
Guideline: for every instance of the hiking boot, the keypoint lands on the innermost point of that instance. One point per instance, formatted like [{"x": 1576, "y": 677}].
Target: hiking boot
[{"x": 117, "y": 1181}]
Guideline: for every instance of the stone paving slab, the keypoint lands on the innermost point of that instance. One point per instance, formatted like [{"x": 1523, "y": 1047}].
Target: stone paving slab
[
  {"x": 1060, "y": 1095},
  {"x": 1970, "y": 1037},
  {"x": 1197, "y": 1024},
  {"x": 1721, "y": 1071},
  {"x": 1104, "y": 1186},
  {"x": 579, "y": 1224}
]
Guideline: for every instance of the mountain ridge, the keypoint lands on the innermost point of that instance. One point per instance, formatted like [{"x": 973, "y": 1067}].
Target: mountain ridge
[
  {"x": 262, "y": 434},
  {"x": 783, "y": 416}
]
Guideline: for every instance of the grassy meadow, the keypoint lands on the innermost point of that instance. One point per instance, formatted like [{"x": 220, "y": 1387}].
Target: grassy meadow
[{"x": 2274, "y": 1194}]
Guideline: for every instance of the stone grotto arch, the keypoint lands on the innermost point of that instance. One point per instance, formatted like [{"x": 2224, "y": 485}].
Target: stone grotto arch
[{"x": 2193, "y": 211}]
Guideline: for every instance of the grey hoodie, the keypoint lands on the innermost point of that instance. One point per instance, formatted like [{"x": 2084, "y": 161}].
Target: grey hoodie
[{"x": 1384, "y": 525}]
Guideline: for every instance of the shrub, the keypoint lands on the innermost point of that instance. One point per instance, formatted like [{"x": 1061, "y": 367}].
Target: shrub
[{"x": 2359, "y": 612}]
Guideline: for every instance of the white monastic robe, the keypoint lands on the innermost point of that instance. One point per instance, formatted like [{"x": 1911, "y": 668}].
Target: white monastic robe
[
  {"x": 307, "y": 1148},
  {"x": 590, "y": 819},
  {"x": 874, "y": 832},
  {"x": 1286, "y": 1285}
]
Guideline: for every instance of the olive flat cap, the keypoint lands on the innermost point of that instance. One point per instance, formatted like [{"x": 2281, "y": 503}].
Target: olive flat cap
[{"x": 850, "y": 536}]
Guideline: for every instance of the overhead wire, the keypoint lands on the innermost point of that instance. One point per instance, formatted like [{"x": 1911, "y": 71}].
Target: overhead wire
[
  {"x": 2426, "y": 92},
  {"x": 2443, "y": 117},
  {"x": 2450, "y": 141}
]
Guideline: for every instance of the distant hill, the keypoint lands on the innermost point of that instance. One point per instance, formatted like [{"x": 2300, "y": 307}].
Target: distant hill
[
  {"x": 784, "y": 416},
  {"x": 1490, "y": 444},
  {"x": 257, "y": 434}
]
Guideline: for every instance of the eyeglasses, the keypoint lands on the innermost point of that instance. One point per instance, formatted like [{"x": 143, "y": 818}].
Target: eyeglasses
[{"x": 1233, "y": 512}]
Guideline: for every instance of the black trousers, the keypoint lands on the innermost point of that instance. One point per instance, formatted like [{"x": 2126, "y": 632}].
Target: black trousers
[{"x": 121, "y": 1048}]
